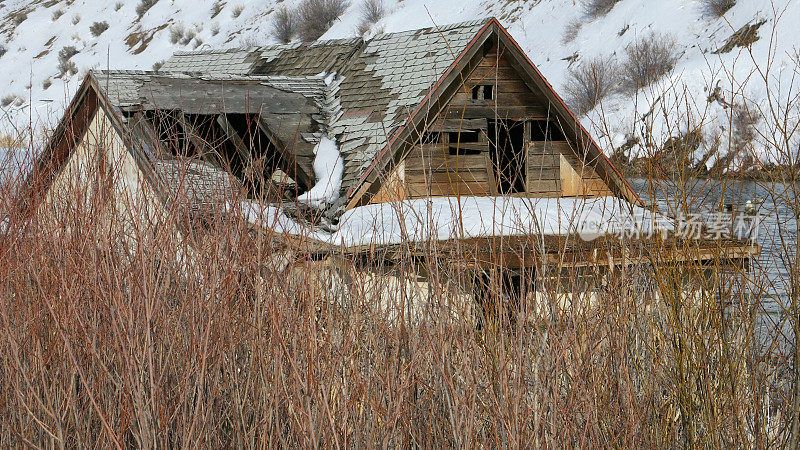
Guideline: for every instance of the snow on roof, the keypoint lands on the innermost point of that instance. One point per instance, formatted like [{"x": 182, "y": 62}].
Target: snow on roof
[{"x": 448, "y": 218}]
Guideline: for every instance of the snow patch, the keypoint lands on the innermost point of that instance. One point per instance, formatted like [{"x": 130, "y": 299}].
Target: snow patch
[
  {"x": 445, "y": 218},
  {"x": 328, "y": 169},
  {"x": 448, "y": 218}
]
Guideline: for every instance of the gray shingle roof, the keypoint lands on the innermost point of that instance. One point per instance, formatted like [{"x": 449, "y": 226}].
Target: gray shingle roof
[
  {"x": 215, "y": 62},
  {"x": 380, "y": 82}
]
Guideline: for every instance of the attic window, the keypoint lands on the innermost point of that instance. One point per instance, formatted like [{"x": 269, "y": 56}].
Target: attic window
[
  {"x": 466, "y": 142},
  {"x": 483, "y": 92},
  {"x": 546, "y": 130}
]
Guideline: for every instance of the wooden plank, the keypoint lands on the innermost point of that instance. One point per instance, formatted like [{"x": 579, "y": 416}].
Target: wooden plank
[
  {"x": 417, "y": 190},
  {"x": 543, "y": 161},
  {"x": 539, "y": 186},
  {"x": 457, "y": 125},
  {"x": 488, "y": 73},
  {"x": 549, "y": 148},
  {"x": 466, "y": 176},
  {"x": 538, "y": 173},
  {"x": 293, "y": 160},
  {"x": 500, "y": 112},
  {"x": 445, "y": 162}
]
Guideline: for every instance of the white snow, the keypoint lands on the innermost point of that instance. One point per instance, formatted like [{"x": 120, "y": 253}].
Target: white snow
[
  {"x": 538, "y": 26},
  {"x": 328, "y": 169},
  {"x": 447, "y": 218},
  {"x": 270, "y": 217}
]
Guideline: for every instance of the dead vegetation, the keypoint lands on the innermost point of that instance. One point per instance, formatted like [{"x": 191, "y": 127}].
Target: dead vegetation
[
  {"x": 250, "y": 342},
  {"x": 598, "y": 8},
  {"x": 19, "y": 17},
  {"x": 647, "y": 60},
  {"x": 284, "y": 25},
  {"x": 65, "y": 63},
  {"x": 590, "y": 82},
  {"x": 315, "y": 17},
  {"x": 717, "y": 8},
  {"x": 98, "y": 28},
  {"x": 144, "y": 6},
  {"x": 372, "y": 11}
]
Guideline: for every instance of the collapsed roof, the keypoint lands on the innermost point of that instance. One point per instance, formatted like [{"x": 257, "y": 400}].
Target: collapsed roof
[{"x": 363, "y": 94}]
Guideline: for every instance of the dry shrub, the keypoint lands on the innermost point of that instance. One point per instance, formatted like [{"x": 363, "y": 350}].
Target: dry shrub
[
  {"x": 590, "y": 82},
  {"x": 3, "y": 50},
  {"x": 315, "y": 17},
  {"x": 717, "y": 8},
  {"x": 744, "y": 129},
  {"x": 57, "y": 14},
  {"x": 144, "y": 6},
  {"x": 176, "y": 32},
  {"x": 598, "y": 8},
  {"x": 19, "y": 17},
  {"x": 571, "y": 31},
  {"x": 249, "y": 343},
  {"x": 65, "y": 65},
  {"x": 216, "y": 8},
  {"x": 284, "y": 25},
  {"x": 237, "y": 11},
  {"x": 98, "y": 28},
  {"x": 8, "y": 100},
  {"x": 372, "y": 11},
  {"x": 647, "y": 60}
]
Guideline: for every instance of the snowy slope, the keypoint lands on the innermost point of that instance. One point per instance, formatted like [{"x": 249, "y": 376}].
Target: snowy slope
[{"x": 32, "y": 46}]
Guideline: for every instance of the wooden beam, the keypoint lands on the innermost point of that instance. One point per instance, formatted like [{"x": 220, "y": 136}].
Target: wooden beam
[
  {"x": 235, "y": 139},
  {"x": 288, "y": 157}
]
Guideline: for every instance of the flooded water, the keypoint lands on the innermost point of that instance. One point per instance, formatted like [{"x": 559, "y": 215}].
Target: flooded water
[{"x": 777, "y": 233}]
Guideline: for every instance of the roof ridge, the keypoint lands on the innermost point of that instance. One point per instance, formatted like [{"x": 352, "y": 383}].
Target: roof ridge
[
  {"x": 335, "y": 41},
  {"x": 216, "y": 51}
]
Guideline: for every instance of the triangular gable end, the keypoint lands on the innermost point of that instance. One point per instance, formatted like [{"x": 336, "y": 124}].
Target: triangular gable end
[{"x": 451, "y": 83}]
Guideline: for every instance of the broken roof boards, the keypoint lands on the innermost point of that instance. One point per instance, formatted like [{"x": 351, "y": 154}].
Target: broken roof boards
[{"x": 387, "y": 90}]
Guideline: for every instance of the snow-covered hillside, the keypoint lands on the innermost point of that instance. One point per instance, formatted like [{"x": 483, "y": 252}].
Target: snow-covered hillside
[{"x": 556, "y": 34}]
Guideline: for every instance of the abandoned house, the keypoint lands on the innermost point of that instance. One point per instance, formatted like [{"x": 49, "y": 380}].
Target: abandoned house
[{"x": 447, "y": 134}]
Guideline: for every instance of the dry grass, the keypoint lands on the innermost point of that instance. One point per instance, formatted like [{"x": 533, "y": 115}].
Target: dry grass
[
  {"x": 647, "y": 60},
  {"x": 598, "y": 8},
  {"x": 317, "y": 16},
  {"x": 284, "y": 25},
  {"x": 124, "y": 325},
  {"x": 590, "y": 82},
  {"x": 717, "y": 8}
]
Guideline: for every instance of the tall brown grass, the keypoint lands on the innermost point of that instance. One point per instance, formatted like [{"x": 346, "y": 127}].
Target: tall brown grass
[{"x": 120, "y": 327}]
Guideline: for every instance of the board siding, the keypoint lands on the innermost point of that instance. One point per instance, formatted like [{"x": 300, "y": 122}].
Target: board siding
[{"x": 552, "y": 168}]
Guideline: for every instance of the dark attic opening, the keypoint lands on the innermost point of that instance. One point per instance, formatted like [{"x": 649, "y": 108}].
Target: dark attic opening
[
  {"x": 546, "y": 131},
  {"x": 237, "y": 143},
  {"x": 507, "y": 152}
]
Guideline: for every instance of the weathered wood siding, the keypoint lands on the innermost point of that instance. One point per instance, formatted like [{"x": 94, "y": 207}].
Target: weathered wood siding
[{"x": 552, "y": 169}]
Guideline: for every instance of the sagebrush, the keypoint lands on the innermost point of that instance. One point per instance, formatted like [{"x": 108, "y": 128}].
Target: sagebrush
[
  {"x": 647, "y": 60},
  {"x": 590, "y": 82}
]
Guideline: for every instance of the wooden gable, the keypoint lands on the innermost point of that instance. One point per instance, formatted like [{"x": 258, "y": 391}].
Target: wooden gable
[{"x": 496, "y": 135}]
